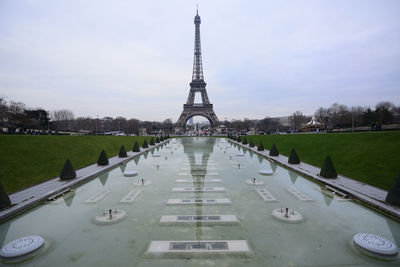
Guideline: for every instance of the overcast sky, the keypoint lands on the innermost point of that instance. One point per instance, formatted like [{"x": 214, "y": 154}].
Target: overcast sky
[{"x": 260, "y": 58}]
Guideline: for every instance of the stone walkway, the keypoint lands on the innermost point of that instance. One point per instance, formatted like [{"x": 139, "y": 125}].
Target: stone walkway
[
  {"x": 35, "y": 195},
  {"x": 365, "y": 193}
]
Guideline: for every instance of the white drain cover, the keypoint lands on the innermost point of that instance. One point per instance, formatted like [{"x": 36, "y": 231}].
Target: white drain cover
[
  {"x": 22, "y": 246},
  {"x": 375, "y": 244}
]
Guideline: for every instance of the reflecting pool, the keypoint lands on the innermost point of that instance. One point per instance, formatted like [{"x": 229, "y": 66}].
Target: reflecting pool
[{"x": 202, "y": 202}]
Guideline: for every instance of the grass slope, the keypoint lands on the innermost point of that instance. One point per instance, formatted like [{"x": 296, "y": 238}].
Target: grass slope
[
  {"x": 371, "y": 157},
  {"x": 29, "y": 160}
]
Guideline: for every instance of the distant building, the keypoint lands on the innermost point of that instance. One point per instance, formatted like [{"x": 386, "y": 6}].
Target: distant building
[
  {"x": 284, "y": 121},
  {"x": 142, "y": 132},
  {"x": 221, "y": 129}
]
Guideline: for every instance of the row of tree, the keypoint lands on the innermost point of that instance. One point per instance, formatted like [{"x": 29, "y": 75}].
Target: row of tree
[
  {"x": 336, "y": 116},
  {"x": 340, "y": 116},
  {"x": 15, "y": 115}
]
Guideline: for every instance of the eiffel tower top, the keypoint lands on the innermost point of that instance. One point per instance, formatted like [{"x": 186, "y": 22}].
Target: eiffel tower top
[{"x": 197, "y": 64}]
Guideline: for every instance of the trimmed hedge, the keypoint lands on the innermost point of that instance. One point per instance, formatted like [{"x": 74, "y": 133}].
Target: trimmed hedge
[
  {"x": 328, "y": 169},
  {"x": 293, "y": 158},
  {"x": 145, "y": 144},
  {"x": 251, "y": 144},
  {"x": 122, "y": 152},
  {"x": 274, "y": 150},
  {"x": 5, "y": 201},
  {"x": 393, "y": 196},
  {"x": 103, "y": 159},
  {"x": 260, "y": 146},
  {"x": 152, "y": 141},
  {"x": 136, "y": 147},
  {"x": 68, "y": 171}
]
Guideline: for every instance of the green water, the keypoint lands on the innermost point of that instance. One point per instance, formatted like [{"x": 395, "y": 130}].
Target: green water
[{"x": 323, "y": 238}]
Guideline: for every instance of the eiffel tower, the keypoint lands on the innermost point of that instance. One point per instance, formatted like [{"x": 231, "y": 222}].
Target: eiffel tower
[{"x": 191, "y": 109}]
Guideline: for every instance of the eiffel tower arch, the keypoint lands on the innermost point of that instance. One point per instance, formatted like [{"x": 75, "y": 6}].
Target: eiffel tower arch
[{"x": 198, "y": 85}]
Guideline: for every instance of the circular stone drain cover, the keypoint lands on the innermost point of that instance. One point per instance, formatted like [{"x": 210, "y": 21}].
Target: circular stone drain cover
[
  {"x": 375, "y": 244},
  {"x": 293, "y": 216},
  {"x": 21, "y": 247}
]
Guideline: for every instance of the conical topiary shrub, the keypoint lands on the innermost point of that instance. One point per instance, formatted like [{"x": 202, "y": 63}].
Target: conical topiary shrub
[
  {"x": 145, "y": 144},
  {"x": 136, "y": 147},
  {"x": 274, "y": 150},
  {"x": 168, "y": 136},
  {"x": 239, "y": 139},
  {"x": 157, "y": 140},
  {"x": 5, "y": 201},
  {"x": 103, "y": 159},
  {"x": 152, "y": 141},
  {"x": 244, "y": 141},
  {"x": 260, "y": 146},
  {"x": 234, "y": 137},
  {"x": 393, "y": 196},
  {"x": 122, "y": 152},
  {"x": 328, "y": 170},
  {"x": 162, "y": 138},
  {"x": 68, "y": 171},
  {"x": 251, "y": 144},
  {"x": 293, "y": 158}
]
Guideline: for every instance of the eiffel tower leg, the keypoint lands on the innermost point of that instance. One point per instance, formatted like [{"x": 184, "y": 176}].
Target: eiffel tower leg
[{"x": 182, "y": 119}]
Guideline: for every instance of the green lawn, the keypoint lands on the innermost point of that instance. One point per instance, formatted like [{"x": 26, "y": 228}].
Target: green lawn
[
  {"x": 28, "y": 160},
  {"x": 371, "y": 157}
]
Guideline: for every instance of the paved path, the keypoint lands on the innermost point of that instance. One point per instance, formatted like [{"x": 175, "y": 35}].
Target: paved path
[
  {"x": 34, "y": 195},
  {"x": 366, "y": 193}
]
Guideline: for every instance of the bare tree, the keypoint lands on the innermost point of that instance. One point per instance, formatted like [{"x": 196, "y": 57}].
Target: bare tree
[
  {"x": 3, "y": 111},
  {"x": 119, "y": 124},
  {"x": 16, "y": 114},
  {"x": 296, "y": 120},
  {"x": 341, "y": 115},
  {"x": 132, "y": 126},
  {"x": 62, "y": 118},
  {"x": 384, "y": 112},
  {"x": 396, "y": 114},
  {"x": 168, "y": 125},
  {"x": 323, "y": 115}
]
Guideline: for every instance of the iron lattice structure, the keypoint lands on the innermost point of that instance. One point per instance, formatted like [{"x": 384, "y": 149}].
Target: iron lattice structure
[{"x": 197, "y": 85}]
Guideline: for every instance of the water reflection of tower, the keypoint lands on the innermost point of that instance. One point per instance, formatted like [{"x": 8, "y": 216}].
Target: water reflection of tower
[{"x": 198, "y": 170}]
